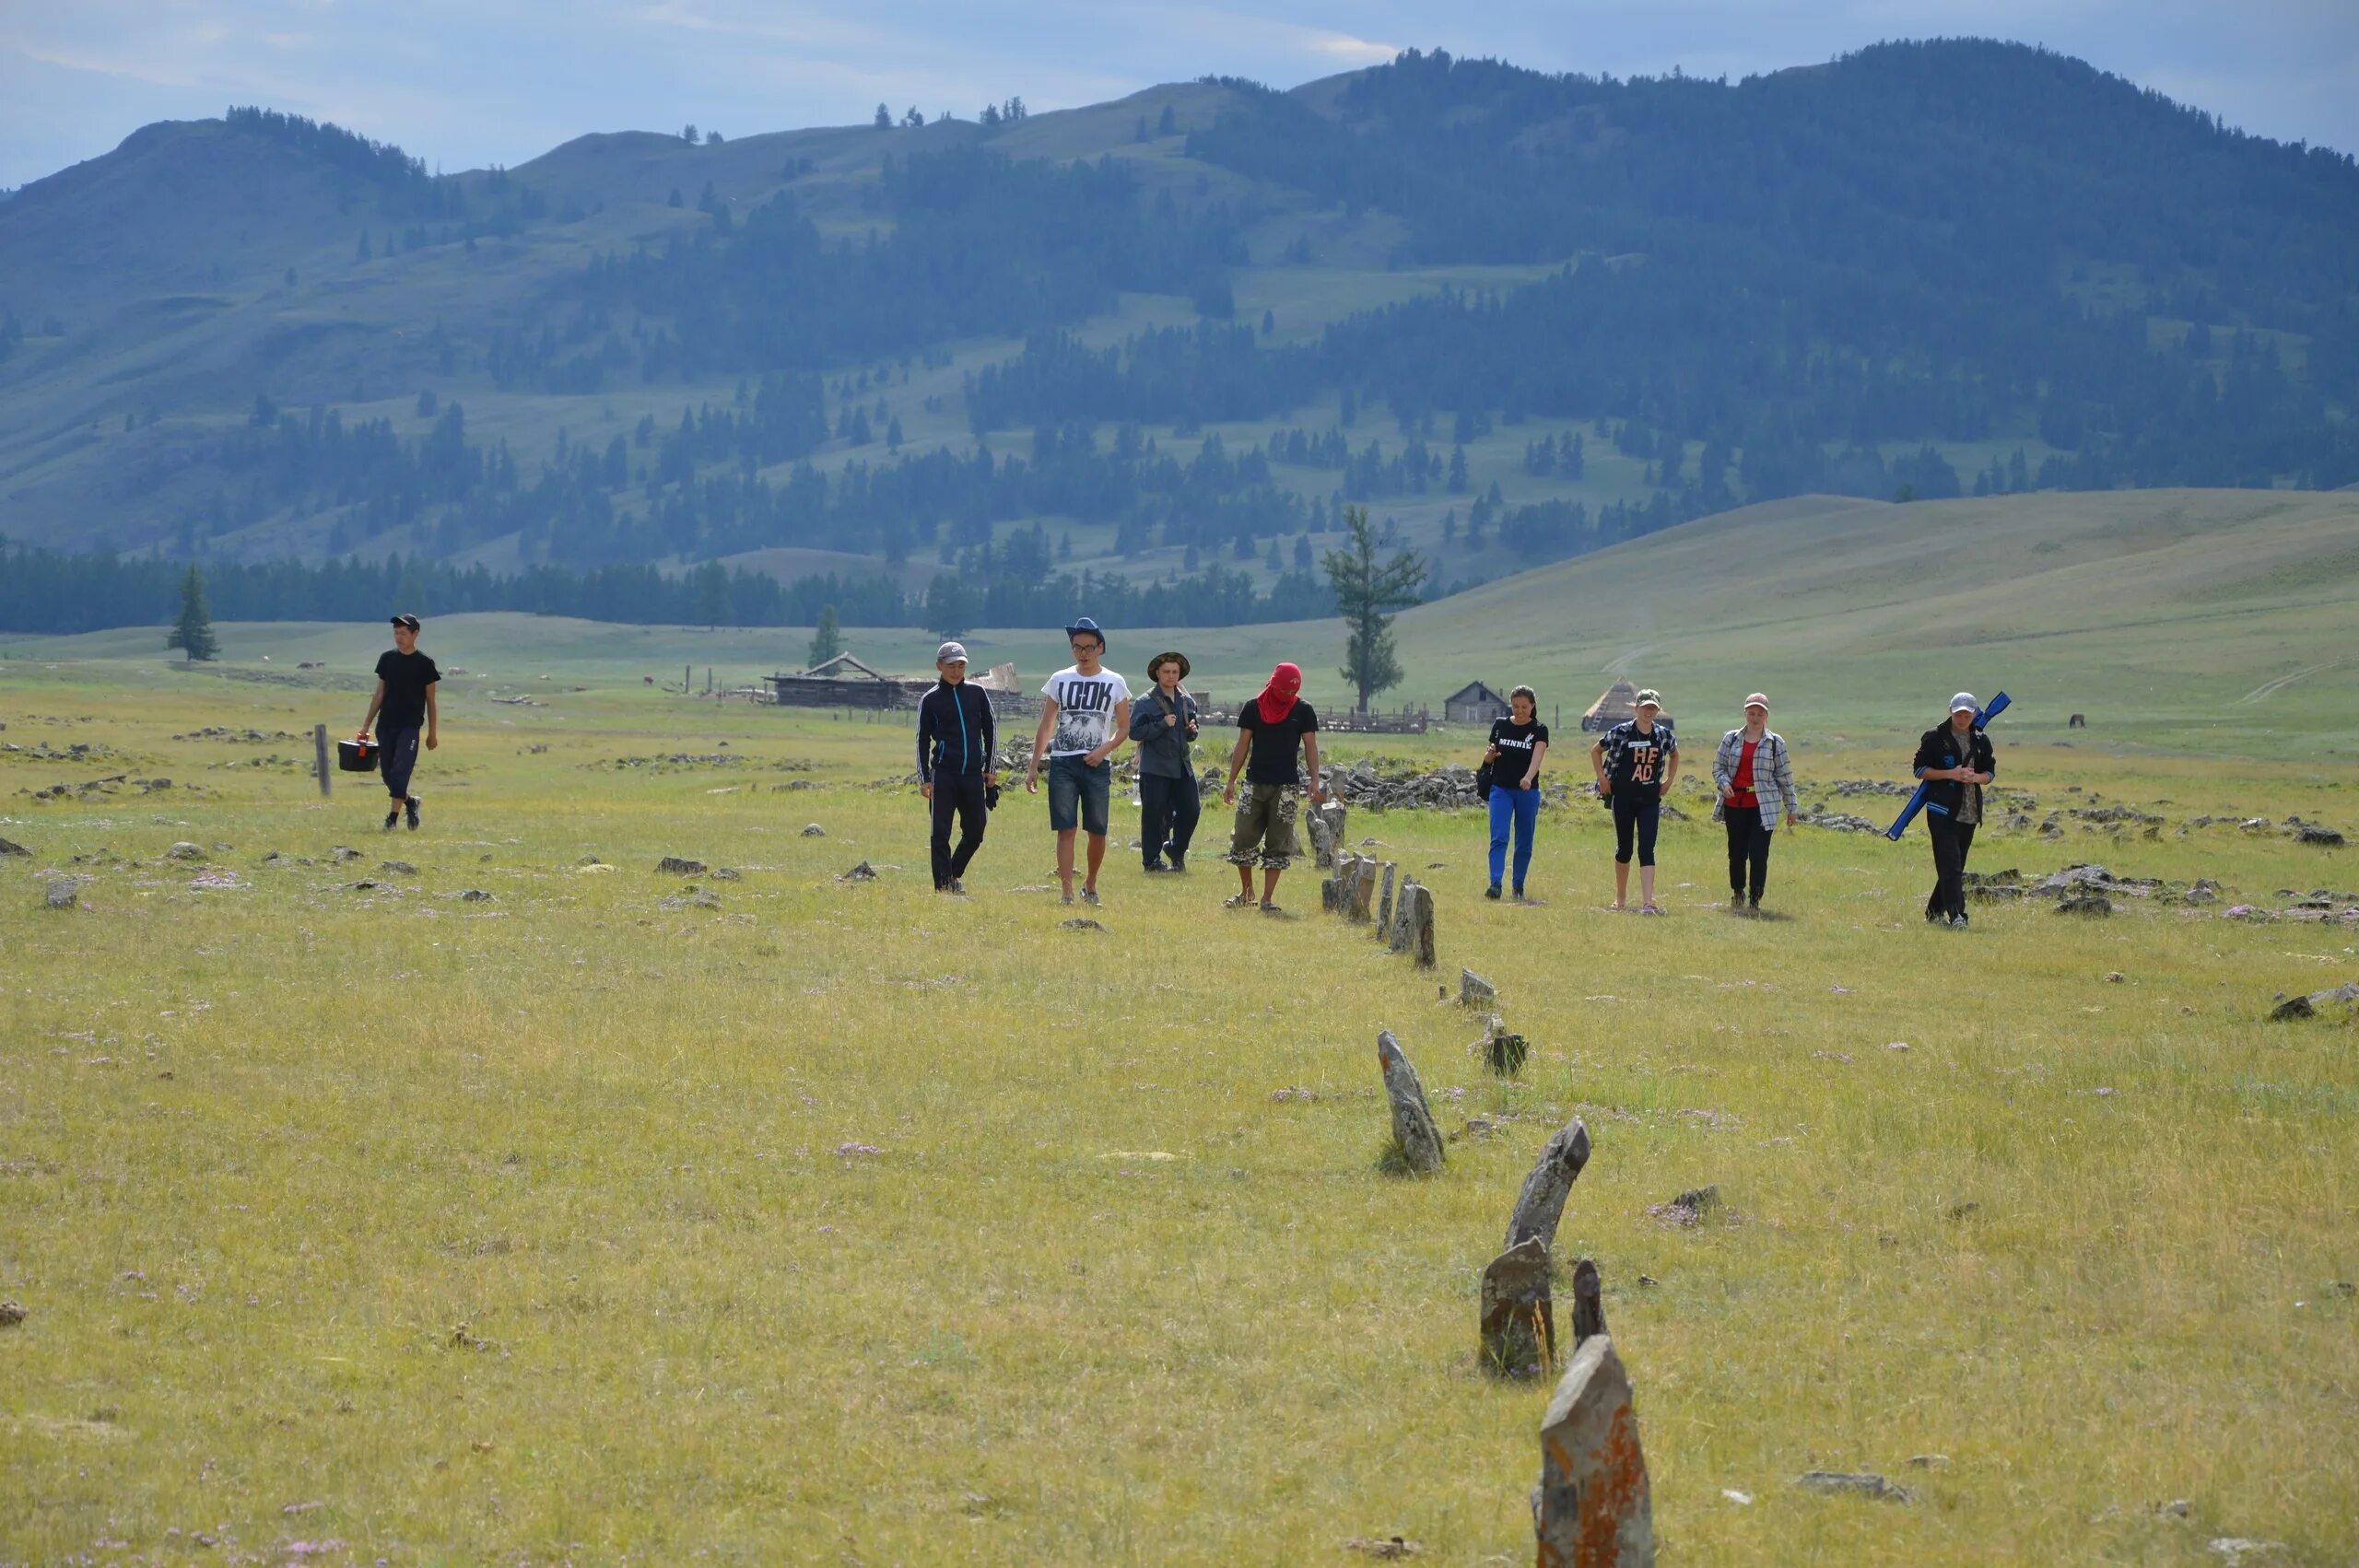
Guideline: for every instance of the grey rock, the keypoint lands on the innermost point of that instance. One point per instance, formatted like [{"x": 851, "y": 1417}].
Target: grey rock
[
  {"x": 1854, "y": 1484},
  {"x": 1362, "y": 889},
  {"x": 1689, "y": 1208},
  {"x": 1384, "y": 902},
  {"x": 11, "y": 1315},
  {"x": 343, "y": 854},
  {"x": 1540, "y": 1204},
  {"x": 399, "y": 867},
  {"x": 692, "y": 901},
  {"x": 1422, "y": 917},
  {"x": 7, "y": 847},
  {"x": 727, "y": 873},
  {"x": 589, "y": 860},
  {"x": 2324, "y": 837},
  {"x": 861, "y": 873},
  {"x": 2094, "y": 904},
  {"x": 2316, "y": 1003},
  {"x": 186, "y": 851},
  {"x": 1475, "y": 991},
  {"x": 474, "y": 895},
  {"x": 1504, "y": 1050},
  {"x": 1080, "y": 923},
  {"x": 1412, "y": 1120},
  {"x": 679, "y": 865},
  {"x": 813, "y": 830},
  {"x": 1589, "y": 1301},
  {"x": 1518, "y": 1318},
  {"x": 1594, "y": 1507},
  {"x": 2235, "y": 1549},
  {"x": 2292, "y": 1009},
  {"x": 64, "y": 893}
]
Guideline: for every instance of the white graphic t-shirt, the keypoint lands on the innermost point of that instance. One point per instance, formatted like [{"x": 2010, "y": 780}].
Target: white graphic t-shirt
[{"x": 1085, "y": 709}]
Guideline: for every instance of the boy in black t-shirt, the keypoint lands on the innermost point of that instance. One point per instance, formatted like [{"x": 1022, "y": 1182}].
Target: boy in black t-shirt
[
  {"x": 405, "y": 700},
  {"x": 1635, "y": 762}
]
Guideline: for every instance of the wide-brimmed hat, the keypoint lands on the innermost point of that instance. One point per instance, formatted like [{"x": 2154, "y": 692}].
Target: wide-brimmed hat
[
  {"x": 1085, "y": 625},
  {"x": 1169, "y": 656}
]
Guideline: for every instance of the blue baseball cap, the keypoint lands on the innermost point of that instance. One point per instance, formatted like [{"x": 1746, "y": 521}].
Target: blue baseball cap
[{"x": 1085, "y": 625}]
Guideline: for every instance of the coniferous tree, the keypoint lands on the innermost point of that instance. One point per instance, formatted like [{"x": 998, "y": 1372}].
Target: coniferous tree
[
  {"x": 193, "y": 633},
  {"x": 828, "y": 639},
  {"x": 883, "y": 118},
  {"x": 1367, "y": 592}
]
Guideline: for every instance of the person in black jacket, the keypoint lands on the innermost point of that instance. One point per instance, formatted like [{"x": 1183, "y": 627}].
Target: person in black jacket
[
  {"x": 956, "y": 765},
  {"x": 1163, "y": 726},
  {"x": 1955, "y": 760}
]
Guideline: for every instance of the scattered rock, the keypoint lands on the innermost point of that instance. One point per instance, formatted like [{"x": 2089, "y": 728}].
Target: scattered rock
[
  {"x": 7, "y": 847},
  {"x": 679, "y": 865},
  {"x": 2286, "y": 1012},
  {"x": 2090, "y": 904},
  {"x": 1928, "y": 1461},
  {"x": 813, "y": 830},
  {"x": 2310, "y": 1006},
  {"x": 727, "y": 873},
  {"x": 692, "y": 901},
  {"x": 399, "y": 867},
  {"x": 343, "y": 854},
  {"x": 1858, "y": 1483},
  {"x": 861, "y": 873},
  {"x": 184, "y": 852},
  {"x": 1589, "y": 1301},
  {"x": 11, "y": 1315},
  {"x": 1080, "y": 923},
  {"x": 2324, "y": 837},
  {"x": 64, "y": 893},
  {"x": 1475, "y": 991},
  {"x": 1504, "y": 1051},
  {"x": 2235, "y": 1549},
  {"x": 1413, "y": 1123},
  {"x": 1386, "y": 1546},
  {"x": 2176, "y": 1508},
  {"x": 474, "y": 895},
  {"x": 1594, "y": 1505},
  {"x": 2115, "y": 977},
  {"x": 1688, "y": 1208}
]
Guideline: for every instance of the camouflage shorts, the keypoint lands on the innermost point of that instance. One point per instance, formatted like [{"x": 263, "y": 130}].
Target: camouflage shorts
[{"x": 1264, "y": 833}]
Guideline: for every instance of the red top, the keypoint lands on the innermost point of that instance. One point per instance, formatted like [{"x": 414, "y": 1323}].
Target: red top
[{"x": 1740, "y": 785}]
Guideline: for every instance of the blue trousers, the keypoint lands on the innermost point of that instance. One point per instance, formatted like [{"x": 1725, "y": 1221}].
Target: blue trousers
[{"x": 1521, "y": 808}]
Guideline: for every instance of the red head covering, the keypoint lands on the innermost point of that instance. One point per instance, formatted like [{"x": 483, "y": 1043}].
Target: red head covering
[{"x": 1277, "y": 698}]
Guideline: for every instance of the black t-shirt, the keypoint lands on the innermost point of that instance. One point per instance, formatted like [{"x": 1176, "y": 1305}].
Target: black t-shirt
[
  {"x": 1272, "y": 761},
  {"x": 406, "y": 676},
  {"x": 1635, "y": 761},
  {"x": 1515, "y": 743}
]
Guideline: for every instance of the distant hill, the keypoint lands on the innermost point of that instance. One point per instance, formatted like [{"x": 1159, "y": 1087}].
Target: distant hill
[{"x": 1519, "y": 316}]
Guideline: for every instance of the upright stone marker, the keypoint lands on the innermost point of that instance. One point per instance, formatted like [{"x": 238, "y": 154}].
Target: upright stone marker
[
  {"x": 1518, "y": 1322},
  {"x": 1541, "y": 1202},
  {"x": 1423, "y": 912},
  {"x": 1384, "y": 902},
  {"x": 1475, "y": 991},
  {"x": 1412, "y": 1122},
  {"x": 1404, "y": 929},
  {"x": 1589, "y": 1303},
  {"x": 320, "y": 751},
  {"x": 1592, "y": 1507}
]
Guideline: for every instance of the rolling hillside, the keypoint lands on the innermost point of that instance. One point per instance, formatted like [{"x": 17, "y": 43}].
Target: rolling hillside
[
  {"x": 1519, "y": 317},
  {"x": 2212, "y": 619}
]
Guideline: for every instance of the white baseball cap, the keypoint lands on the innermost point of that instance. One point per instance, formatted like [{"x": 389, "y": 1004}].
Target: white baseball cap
[{"x": 1963, "y": 703}]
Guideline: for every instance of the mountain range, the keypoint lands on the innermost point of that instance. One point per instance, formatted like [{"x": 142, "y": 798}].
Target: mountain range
[{"x": 1167, "y": 341}]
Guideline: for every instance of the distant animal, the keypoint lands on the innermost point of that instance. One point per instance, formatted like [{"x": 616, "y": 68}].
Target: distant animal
[
  {"x": 2078, "y": 721},
  {"x": 647, "y": 680}
]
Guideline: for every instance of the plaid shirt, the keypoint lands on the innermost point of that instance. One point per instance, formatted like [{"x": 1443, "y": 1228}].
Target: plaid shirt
[{"x": 1773, "y": 780}]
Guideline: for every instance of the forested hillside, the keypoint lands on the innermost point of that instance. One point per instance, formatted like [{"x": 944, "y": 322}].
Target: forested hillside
[{"x": 1155, "y": 346}]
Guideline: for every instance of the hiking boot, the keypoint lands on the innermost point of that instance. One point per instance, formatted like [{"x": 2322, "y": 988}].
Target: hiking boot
[
  {"x": 1753, "y": 906},
  {"x": 1957, "y": 922},
  {"x": 1157, "y": 868},
  {"x": 1178, "y": 861},
  {"x": 392, "y": 818},
  {"x": 413, "y": 813},
  {"x": 1492, "y": 891}
]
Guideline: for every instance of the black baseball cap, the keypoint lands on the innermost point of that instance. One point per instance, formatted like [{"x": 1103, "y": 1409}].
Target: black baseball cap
[{"x": 409, "y": 621}]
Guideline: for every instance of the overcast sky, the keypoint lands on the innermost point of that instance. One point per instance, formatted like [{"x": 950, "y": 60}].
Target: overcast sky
[{"x": 466, "y": 83}]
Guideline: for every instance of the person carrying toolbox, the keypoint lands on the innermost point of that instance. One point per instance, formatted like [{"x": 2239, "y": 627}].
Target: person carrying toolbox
[{"x": 404, "y": 702}]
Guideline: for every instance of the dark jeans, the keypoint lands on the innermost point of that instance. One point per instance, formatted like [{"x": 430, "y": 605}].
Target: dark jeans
[
  {"x": 1642, "y": 818},
  {"x": 1168, "y": 812},
  {"x": 959, "y": 795},
  {"x": 1748, "y": 850},
  {"x": 397, "y": 756},
  {"x": 1951, "y": 841}
]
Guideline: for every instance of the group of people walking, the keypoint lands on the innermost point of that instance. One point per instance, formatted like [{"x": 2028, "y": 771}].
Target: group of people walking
[{"x": 1088, "y": 711}]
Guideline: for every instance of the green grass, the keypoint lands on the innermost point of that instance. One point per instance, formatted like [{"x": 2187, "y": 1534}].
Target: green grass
[{"x": 539, "y": 1227}]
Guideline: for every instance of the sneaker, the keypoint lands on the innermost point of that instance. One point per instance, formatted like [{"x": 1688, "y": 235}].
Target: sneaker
[
  {"x": 1157, "y": 868},
  {"x": 957, "y": 887},
  {"x": 1753, "y": 906},
  {"x": 1178, "y": 861},
  {"x": 413, "y": 813},
  {"x": 1518, "y": 897},
  {"x": 1089, "y": 896},
  {"x": 392, "y": 819},
  {"x": 1957, "y": 922},
  {"x": 1492, "y": 891}
]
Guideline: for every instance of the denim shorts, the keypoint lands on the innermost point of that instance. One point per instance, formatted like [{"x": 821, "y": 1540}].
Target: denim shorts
[{"x": 1078, "y": 795}]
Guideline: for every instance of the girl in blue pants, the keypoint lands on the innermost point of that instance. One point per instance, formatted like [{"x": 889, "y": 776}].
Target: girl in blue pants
[{"x": 1518, "y": 742}]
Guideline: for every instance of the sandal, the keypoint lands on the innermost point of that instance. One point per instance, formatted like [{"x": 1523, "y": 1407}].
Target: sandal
[
  {"x": 1271, "y": 909},
  {"x": 1649, "y": 909},
  {"x": 1239, "y": 901}
]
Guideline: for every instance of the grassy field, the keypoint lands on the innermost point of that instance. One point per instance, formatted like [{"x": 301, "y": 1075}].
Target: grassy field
[{"x": 842, "y": 1223}]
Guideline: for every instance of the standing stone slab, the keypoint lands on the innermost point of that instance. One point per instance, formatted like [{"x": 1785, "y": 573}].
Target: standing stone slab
[
  {"x": 1402, "y": 929},
  {"x": 1412, "y": 1122},
  {"x": 1327, "y": 895},
  {"x": 1541, "y": 1202},
  {"x": 1475, "y": 991},
  {"x": 64, "y": 893},
  {"x": 1384, "y": 902},
  {"x": 1589, "y": 1303},
  {"x": 1518, "y": 1322},
  {"x": 1422, "y": 912},
  {"x": 1592, "y": 1507}
]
